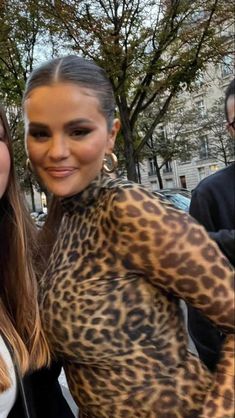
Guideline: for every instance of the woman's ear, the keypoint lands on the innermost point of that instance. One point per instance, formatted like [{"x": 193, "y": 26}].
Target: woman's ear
[
  {"x": 113, "y": 134},
  {"x": 230, "y": 130}
]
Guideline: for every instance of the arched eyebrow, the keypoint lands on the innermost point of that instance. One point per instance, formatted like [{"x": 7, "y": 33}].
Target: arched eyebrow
[
  {"x": 38, "y": 125},
  {"x": 68, "y": 125},
  {"x": 76, "y": 122}
]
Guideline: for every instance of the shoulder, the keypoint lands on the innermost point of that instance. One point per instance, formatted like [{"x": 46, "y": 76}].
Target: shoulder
[
  {"x": 217, "y": 180},
  {"x": 133, "y": 199},
  {"x": 128, "y": 191}
]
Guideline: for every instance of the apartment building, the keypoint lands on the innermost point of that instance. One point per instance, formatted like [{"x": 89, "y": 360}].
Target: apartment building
[{"x": 186, "y": 173}]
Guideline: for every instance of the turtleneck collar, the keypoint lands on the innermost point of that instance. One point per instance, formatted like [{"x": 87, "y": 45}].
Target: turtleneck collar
[{"x": 86, "y": 197}]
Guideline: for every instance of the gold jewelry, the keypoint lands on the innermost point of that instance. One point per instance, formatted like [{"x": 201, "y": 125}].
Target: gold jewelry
[
  {"x": 28, "y": 165},
  {"x": 110, "y": 168}
]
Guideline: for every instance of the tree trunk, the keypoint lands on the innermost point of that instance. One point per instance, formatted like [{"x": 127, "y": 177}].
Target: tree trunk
[
  {"x": 159, "y": 178},
  {"x": 138, "y": 171},
  {"x": 48, "y": 196},
  {"x": 32, "y": 196},
  {"x": 128, "y": 140},
  {"x": 158, "y": 173},
  {"x": 129, "y": 155}
]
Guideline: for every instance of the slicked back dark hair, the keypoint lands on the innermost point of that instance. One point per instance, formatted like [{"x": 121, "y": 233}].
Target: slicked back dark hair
[{"x": 79, "y": 71}]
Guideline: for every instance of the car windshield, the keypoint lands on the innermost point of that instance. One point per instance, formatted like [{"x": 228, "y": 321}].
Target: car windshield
[{"x": 179, "y": 200}]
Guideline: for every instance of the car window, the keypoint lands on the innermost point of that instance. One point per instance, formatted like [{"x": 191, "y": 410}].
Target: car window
[{"x": 179, "y": 200}]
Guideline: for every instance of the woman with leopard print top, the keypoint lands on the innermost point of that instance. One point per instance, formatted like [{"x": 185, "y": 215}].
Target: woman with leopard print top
[{"x": 118, "y": 261}]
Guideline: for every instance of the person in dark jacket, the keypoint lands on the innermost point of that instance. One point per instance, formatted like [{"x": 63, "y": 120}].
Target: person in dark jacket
[
  {"x": 213, "y": 205},
  {"x": 41, "y": 396}
]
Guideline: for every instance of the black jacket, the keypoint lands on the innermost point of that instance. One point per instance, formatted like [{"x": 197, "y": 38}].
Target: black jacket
[
  {"x": 40, "y": 396},
  {"x": 213, "y": 206}
]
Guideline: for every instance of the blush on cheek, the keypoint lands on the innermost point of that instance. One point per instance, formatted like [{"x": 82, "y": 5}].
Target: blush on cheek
[{"x": 91, "y": 154}]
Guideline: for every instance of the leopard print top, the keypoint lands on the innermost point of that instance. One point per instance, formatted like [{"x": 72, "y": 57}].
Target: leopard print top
[{"x": 109, "y": 302}]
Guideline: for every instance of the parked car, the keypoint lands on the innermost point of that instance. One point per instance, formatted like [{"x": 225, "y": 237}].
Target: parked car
[
  {"x": 40, "y": 220},
  {"x": 180, "y": 198},
  {"x": 34, "y": 215}
]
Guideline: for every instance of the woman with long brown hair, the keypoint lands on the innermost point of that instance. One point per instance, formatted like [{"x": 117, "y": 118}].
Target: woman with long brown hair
[{"x": 23, "y": 347}]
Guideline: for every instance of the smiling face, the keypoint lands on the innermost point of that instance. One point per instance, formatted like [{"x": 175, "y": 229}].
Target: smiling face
[
  {"x": 5, "y": 162},
  {"x": 66, "y": 136}
]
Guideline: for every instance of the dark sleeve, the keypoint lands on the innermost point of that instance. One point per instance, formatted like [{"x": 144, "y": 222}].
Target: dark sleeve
[
  {"x": 206, "y": 337},
  {"x": 44, "y": 395},
  {"x": 226, "y": 241},
  {"x": 202, "y": 209}
]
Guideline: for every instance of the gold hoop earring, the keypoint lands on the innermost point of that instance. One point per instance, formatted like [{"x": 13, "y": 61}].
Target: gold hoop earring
[
  {"x": 29, "y": 166},
  {"x": 110, "y": 168}
]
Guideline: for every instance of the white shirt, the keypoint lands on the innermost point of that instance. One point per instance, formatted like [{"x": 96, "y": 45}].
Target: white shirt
[{"x": 7, "y": 398}]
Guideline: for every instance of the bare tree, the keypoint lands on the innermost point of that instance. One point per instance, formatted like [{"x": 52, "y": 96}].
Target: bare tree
[
  {"x": 20, "y": 30},
  {"x": 149, "y": 50},
  {"x": 221, "y": 145}
]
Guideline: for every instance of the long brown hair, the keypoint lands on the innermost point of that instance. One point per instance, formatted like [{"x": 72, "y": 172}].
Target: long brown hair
[{"x": 19, "y": 314}]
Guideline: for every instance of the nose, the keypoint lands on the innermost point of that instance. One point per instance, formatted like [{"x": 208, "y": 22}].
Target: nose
[{"x": 58, "y": 148}]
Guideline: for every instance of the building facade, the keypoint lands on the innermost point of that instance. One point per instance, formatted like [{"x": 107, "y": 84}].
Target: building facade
[{"x": 209, "y": 88}]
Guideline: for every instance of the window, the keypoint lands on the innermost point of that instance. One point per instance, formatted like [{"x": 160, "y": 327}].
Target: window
[
  {"x": 201, "y": 173},
  {"x": 168, "y": 167},
  {"x": 153, "y": 185},
  {"x": 44, "y": 202},
  {"x": 152, "y": 167},
  {"x": 169, "y": 183},
  {"x": 203, "y": 148},
  {"x": 200, "y": 106},
  {"x": 162, "y": 131},
  {"x": 227, "y": 66},
  {"x": 186, "y": 153},
  {"x": 213, "y": 168},
  {"x": 183, "y": 182},
  {"x": 199, "y": 81}
]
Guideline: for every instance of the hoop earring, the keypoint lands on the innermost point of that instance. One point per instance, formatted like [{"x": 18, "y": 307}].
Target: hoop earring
[
  {"x": 114, "y": 163},
  {"x": 28, "y": 165}
]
